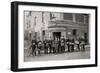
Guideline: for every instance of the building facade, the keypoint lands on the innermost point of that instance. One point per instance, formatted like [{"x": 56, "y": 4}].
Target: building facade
[{"x": 52, "y": 25}]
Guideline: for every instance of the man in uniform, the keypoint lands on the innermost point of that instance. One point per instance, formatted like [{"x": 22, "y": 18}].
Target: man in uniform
[
  {"x": 53, "y": 46},
  {"x": 44, "y": 43},
  {"x": 46, "y": 47},
  {"x": 77, "y": 42},
  {"x": 56, "y": 45},
  {"x": 62, "y": 44},
  {"x": 33, "y": 46},
  {"x": 82, "y": 44},
  {"x": 50, "y": 46},
  {"x": 39, "y": 47},
  {"x": 68, "y": 44},
  {"x": 59, "y": 46},
  {"x": 72, "y": 44}
]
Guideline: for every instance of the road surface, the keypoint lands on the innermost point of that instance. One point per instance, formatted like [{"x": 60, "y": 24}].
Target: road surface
[{"x": 61, "y": 56}]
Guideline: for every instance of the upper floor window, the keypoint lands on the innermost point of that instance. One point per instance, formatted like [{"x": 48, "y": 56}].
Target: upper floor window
[{"x": 68, "y": 16}]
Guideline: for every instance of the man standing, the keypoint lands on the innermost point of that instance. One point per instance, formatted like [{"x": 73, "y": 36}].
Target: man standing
[
  {"x": 39, "y": 47},
  {"x": 68, "y": 44},
  {"x": 62, "y": 46},
  {"x": 56, "y": 45},
  {"x": 72, "y": 44},
  {"x": 59, "y": 46},
  {"x": 44, "y": 43},
  {"x": 53, "y": 46},
  {"x": 46, "y": 47},
  {"x": 33, "y": 46},
  {"x": 50, "y": 46},
  {"x": 82, "y": 44},
  {"x": 77, "y": 42},
  {"x": 62, "y": 43}
]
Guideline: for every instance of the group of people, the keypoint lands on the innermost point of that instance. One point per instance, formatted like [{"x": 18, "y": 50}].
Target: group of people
[{"x": 57, "y": 46}]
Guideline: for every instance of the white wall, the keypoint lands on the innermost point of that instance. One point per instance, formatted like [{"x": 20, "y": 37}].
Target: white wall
[{"x": 5, "y": 28}]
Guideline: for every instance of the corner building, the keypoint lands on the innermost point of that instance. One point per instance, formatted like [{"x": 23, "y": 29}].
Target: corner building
[{"x": 52, "y": 25}]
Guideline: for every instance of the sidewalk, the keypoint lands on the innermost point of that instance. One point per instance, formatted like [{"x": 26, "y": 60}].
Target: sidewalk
[{"x": 62, "y": 56}]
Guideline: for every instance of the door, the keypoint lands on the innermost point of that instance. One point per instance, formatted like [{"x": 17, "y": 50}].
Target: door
[{"x": 57, "y": 35}]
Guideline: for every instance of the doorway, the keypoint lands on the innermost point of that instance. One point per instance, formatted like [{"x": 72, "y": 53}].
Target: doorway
[{"x": 56, "y": 35}]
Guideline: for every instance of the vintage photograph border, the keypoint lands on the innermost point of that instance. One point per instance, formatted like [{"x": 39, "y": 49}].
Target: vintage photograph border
[{"x": 14, "y": 35}]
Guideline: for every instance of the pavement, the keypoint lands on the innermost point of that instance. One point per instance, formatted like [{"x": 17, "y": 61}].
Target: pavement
[{"x": 59, "y": 56}]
